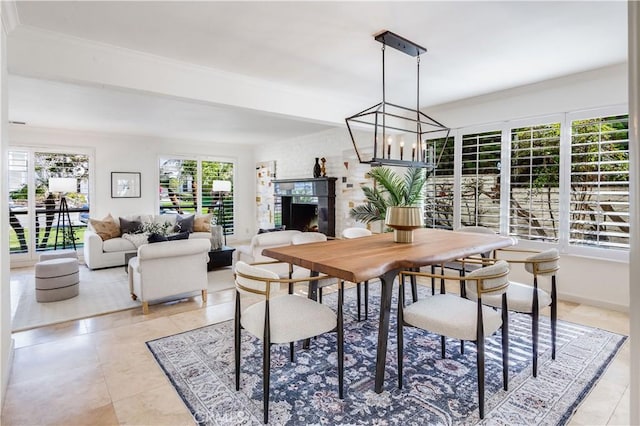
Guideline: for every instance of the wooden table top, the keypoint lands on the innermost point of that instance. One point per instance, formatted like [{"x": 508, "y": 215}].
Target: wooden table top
[{"x": 362, "y": 259}]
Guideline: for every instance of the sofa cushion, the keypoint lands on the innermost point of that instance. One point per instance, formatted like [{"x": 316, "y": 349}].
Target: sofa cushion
[
  {"x": 130, "y": 226},
  {"x": 184, "y": 223},
  {"x": 202, "y": 223},
  {"x": 106, "y": 228},
  {"x": 117, "y": 244}
]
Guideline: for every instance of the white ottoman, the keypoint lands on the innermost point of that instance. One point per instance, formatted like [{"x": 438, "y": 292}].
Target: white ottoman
[
  {"x": 57, "y": 254},
  {"x": 57, "y": 279}
]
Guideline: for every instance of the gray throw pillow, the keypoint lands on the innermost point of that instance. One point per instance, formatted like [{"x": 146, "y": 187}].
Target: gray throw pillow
[
  {"x": 130, "y": 226},
  {"x": 184, "y": 223}
]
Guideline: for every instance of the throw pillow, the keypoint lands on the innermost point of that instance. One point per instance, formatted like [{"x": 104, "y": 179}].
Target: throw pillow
[
  {"x": 106, "y": 228},
  {"x": 184, "y": 223},
  {"x": 202, "y": 223},
  {"x": 179, "y": 236},
  {"x": 156, "y": 238},
  {"x": 264, "y": 231},
  {"x": 137, "y": 239},
  {"x": 130, "y": 226}
]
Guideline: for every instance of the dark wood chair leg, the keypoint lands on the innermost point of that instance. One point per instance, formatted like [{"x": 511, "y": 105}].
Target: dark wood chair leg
[
  {"x": 462, "y": 347},
  {"x": 237, "y": 342},
  {"x": 400, "y": 333},
  {"x": 292, "y": 353},
  {"x": 535, "y": 314},
  {"x": 554, "y": 316},
  {"x": 340, "y": 343},
  {"x": 433, "y": 280},
  {"x": 414, "y": 286},
  {"x": 443, "y": 347},
  {"x": 266, "y": 363},
  {"x": 505, "y": 343},
  {"x": 320, "y": 295},
  {"x": 480, "y": 357}
]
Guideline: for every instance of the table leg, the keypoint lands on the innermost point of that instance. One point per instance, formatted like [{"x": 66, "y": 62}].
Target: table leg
[
  {"x": 312, "y": 293},
  {"x": 383, "y": 327}
]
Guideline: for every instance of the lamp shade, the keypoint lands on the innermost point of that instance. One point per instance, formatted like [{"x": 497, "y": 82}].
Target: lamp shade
[
  {"x": 221, "y": 186},
  {"x": 63, "y": 185}
]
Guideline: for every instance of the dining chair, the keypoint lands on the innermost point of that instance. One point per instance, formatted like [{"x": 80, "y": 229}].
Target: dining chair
[
  {"x": 452, "y": 316},
  {"x": 355, "y": 232},
  {"x": 280, "y": 318},
  {"x": 300, "y": 272},
  {"x": 529, "y": 299}
]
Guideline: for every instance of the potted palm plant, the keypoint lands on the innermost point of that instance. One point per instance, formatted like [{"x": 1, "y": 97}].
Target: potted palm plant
[{"x": 393, "y": 196}]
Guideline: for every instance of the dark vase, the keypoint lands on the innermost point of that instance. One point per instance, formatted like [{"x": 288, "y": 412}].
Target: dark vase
[{"x": 316, "y": 169}]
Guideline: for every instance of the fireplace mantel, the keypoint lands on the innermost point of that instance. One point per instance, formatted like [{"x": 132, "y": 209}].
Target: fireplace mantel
[{"x": 306, "y": 203}]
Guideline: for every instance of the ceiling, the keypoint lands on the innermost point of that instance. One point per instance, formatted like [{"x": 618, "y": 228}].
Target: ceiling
[{"x": 474, "y": 48}]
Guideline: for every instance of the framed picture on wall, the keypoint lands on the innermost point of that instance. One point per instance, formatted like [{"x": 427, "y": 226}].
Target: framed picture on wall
[{"x": 125, "y": 185}]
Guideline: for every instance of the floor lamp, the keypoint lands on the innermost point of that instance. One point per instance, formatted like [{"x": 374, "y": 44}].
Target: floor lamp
[
  {"x": 219, "y": 188},
  {"x": 64, "y": 186}
]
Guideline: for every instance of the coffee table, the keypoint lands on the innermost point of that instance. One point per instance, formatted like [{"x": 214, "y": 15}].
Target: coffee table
[{"x": 220, "y": 257}]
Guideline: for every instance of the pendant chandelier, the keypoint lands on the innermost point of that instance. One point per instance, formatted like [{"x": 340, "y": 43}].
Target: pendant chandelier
[{"x": 390, "y": 134}]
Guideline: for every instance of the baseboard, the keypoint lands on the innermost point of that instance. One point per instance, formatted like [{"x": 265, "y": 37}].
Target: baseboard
[{"x": 591, "y": 302}]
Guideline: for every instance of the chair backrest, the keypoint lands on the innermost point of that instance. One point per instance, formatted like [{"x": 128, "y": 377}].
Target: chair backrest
[
  {"x": 355, "y": 233},
  {"x": 478, "y": 230},
  {"x": 252, "y": 279},
  {"x": 308, "y": 237},
  {"x": 493, "y": 279},
  {"x": 543, "y": 263}
]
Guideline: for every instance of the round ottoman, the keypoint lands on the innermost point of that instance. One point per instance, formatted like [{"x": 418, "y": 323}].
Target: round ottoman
[
  {"x": 57, "y": 279},
  {"x": 56, "y": 254}
]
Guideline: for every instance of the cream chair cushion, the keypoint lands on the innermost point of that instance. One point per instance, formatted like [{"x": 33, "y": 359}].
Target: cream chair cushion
[
  {"x": 291, "y": 317},
  {"x": 519, "y": 298},
  {"x": 355, "y": 233},
  {"x": 451, "y": 315}
]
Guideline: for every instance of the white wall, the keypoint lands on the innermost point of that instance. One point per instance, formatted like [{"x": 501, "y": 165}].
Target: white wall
[
  {"x": 140, "y": 154},
  {"x": 595, "y": 281},
  {"x": 6, "y": 342}
]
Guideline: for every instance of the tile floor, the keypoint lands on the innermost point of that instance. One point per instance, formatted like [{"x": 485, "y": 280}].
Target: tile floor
[{"x": 98, "y": 371}]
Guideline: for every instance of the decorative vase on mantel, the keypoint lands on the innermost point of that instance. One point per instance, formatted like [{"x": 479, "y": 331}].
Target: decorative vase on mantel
[
  {"x": 403, "y": 220},
  {"x": 316, "y": 169}
]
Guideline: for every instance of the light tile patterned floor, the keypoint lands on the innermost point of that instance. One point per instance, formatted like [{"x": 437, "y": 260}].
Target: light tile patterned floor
[{"x": 98, "y": 371}]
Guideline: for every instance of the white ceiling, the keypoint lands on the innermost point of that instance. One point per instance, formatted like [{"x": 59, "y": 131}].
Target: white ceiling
[{"x": 473, "y": 48}]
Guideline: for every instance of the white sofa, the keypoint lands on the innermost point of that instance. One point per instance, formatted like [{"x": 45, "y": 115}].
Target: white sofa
[
  {"x": 169, "y": 268},
  {"x": 109, "y": 253},
  {"x": 252, "y": 253}
]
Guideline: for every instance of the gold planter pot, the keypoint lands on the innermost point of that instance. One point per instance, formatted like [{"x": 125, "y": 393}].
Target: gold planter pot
[{"x": 403, "y": 220}]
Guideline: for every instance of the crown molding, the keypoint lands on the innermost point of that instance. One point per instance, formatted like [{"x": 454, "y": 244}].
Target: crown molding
[{"x": 10, "y": 18}]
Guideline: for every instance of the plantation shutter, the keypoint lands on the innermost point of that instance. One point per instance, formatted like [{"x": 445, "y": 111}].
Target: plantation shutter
[
  {"x": 534, "y": 189},
  {"x": 480, "y": 180},
  {"x": 438, "y": 200},
  {"x": 599, "y": 209}
]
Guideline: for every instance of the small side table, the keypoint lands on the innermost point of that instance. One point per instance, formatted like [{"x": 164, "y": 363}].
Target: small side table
[{"x": 220, "y": 257}]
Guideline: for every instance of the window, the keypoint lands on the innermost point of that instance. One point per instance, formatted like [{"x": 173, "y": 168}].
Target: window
[
  {"x": 180, "y": 183},
  {"x": 438, "y": 207},
  {"x": 480, "y": 180},
  {"x": 33, "y": 216},
  {"x": 534, "y": 188},
  {"x": 599, "y": 207}
]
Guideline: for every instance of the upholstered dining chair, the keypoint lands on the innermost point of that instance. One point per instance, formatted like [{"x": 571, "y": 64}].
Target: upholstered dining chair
[
  {"x": 529, "y": 299},
  {"x": 455, "y": 317},
  {"x": 280, "y": 318},
  {"x": 300, "y": 272},
  {"x": 356, "y": 232}
]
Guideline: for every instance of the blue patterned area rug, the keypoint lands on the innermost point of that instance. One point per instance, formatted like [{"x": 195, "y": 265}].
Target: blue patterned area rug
[{"x": 436, "y": 391}]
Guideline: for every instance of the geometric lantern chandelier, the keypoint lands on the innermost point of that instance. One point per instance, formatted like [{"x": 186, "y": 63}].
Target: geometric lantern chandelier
[{"x": 390, "y": 134}]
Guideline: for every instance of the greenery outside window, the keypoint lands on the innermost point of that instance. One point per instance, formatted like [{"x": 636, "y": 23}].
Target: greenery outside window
[
  {"x": 186, "y": 188},
  {"x": 534, "y": 182}
]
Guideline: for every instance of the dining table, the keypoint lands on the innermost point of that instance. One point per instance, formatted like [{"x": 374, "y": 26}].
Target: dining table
[{"x": 378, "y": 256}]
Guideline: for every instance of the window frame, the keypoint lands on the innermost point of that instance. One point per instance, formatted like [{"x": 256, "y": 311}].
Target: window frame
[{"x": 199, "y": 159}]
